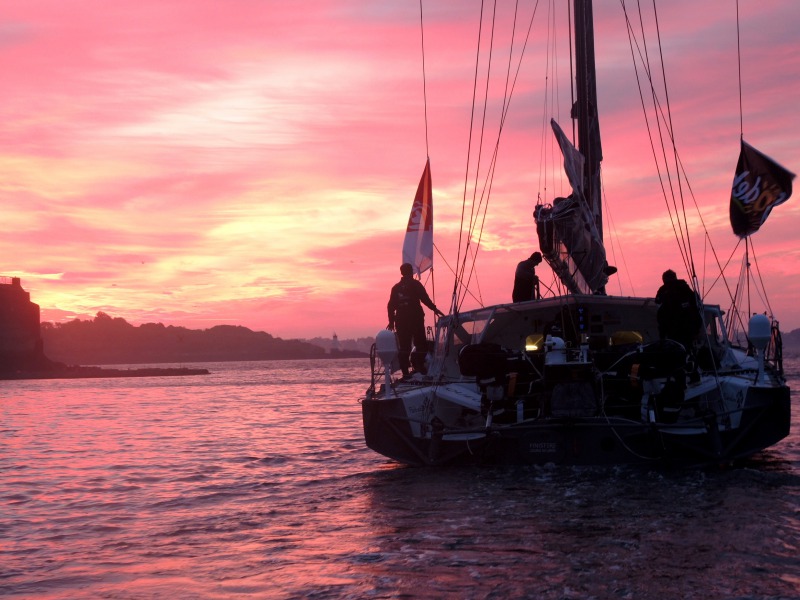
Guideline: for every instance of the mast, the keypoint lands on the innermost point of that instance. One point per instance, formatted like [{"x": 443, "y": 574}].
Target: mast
[
  {"x": 584, "y": 111},
  {"x": 570, "y": 230}
]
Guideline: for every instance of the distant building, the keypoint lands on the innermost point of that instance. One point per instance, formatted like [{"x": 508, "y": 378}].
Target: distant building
[{"x": 20, "y": 336}]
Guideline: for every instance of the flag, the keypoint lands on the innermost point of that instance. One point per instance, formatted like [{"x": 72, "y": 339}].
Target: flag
[
  {"x": 418, "y": 244},
  {"x": 573, "y": 160},
  {"x": 760, "y": 184}
]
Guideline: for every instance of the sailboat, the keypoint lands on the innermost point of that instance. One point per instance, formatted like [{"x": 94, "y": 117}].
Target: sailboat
[{"x": 583, "y": 377}]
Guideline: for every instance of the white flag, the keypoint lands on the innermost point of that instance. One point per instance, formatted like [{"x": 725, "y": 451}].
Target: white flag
[{"x": 418, "y": 245}]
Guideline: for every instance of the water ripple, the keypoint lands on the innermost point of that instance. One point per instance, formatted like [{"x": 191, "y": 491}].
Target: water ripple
[{"x": 255, "y": 481}]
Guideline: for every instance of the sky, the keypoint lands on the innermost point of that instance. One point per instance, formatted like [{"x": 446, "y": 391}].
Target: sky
[{"x": 253, "y": 162}]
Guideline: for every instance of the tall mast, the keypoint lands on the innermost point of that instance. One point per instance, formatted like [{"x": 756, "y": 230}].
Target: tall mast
[
  {"x": 570, "y": 230},
  {"x": 585, "y": 108}
]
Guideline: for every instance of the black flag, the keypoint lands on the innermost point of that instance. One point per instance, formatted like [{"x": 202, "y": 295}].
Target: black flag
[{"x": 760, "y": 185}]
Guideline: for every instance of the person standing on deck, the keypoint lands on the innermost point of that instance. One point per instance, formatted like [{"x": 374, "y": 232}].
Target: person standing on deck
[
  {"x": 406, "y": 317},
  {"x": 526, "y": 282},
  {"x": 678, "y": 313}
]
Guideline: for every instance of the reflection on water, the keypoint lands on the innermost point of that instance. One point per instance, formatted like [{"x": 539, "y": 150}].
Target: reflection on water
[
  {"x": 595, "y": 532},
  {"x": 255, "y": 481}
]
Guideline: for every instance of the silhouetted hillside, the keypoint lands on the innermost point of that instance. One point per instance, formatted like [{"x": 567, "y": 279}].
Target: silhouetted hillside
[
  {"x": 791, "y": 343},
  {"x": 106, "y": 340}
]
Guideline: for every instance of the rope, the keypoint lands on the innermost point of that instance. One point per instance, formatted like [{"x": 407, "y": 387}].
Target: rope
[
  {"x": 424, "y": 80},
  {"x": 486, "y": 193},
  {"x": 425, "y": 107},
  {"x": 739, "y": 64},
  {"x": 487, "y": 186},
  {"x": 474, "y": 212},
  {"x": 466, "y": 176},
  {"x": 763, "y": 288},
  {"x": 632, "y": 41},
  {"x": 678, "y": 218},
  {"x": 670, "y": 130}
]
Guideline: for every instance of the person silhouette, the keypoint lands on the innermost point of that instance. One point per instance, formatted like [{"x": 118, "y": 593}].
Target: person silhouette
[
  {"x": 406, "y": 317},
  {"x": 526, "y": 282},
  {"x": 678, "y": 313}
]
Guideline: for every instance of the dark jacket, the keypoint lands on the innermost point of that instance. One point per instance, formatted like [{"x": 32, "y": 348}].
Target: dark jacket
[
  {"x": 678, "y": 311},
  {"x": 525, "y": 281},
  {"x": 404, "y": 301}
]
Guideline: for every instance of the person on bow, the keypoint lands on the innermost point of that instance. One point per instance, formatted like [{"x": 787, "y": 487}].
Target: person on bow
[
  {"x": 406, "y": 317},
  {"x": 526, "y": 282}
]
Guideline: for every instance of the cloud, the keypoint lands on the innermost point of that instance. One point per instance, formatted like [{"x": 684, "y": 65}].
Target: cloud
[{"x": 254, "y": 162}]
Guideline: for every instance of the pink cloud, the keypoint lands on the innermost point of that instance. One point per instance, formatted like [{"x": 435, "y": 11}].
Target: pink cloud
[{"x": 253, "y": 163}]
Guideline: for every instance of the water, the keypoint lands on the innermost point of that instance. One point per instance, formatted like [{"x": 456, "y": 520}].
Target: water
[{"x": 254, "y": 482}]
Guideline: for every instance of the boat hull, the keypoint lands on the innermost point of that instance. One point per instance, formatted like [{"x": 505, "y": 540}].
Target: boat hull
[{"x": 598, "y": 440}]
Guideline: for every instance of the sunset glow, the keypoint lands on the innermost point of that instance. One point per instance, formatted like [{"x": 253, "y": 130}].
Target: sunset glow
[{"x": 253, "y": 162}]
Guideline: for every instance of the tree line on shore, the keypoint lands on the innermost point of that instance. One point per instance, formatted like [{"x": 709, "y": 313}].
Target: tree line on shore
[{"x": 108, "y": 340}]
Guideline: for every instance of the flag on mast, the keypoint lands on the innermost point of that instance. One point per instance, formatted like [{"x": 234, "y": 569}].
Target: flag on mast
[
  {"x": 760, "y": 184},
  {"x": 418, "y": 244}
]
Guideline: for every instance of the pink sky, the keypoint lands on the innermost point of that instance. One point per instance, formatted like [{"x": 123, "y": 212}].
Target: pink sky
[{"x": 253, "y": 162}]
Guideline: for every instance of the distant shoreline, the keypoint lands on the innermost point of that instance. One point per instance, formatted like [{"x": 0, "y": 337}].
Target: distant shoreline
[{"x": 100, "y": 372}]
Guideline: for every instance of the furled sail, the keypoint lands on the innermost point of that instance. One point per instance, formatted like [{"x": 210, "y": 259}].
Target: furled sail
[
  {"x": 568, "y": 237},
  {"x": 418, "y": 243},
  {"x": 760, "y": 184}
]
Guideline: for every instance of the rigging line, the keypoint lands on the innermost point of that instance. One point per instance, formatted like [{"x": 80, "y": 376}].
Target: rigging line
[
  {"x": 762, "y": 291},
  {"x": 739, "y": 64},
  {"x": 722, "y": 269},
  {"x": 487, "y": 186},
  {"x": 674, "y": 146},
  {"x": 645, "y": 60},
  {"x": 452, "y": 270},
  {"x": 424, "y": 80},
  {"x": 735, "y": 323},
  {"x": 479, "y": 298},
  {"x": 706, "y": 245},
  {"x": 705, "y": 229},
  {"x": 556, "y": 175},
  {"x": 425, "y": 107},
  {"x": 543, "y": 152},
  {"x": 632, "y": 41},
  {"x": 469, "y": 154},
  {"x": 428, "y": 276},
  {"x": 733, "y": 320},
  {"x": 682, "y": 169},
  {"x": 747, "y": 271},
  {"x": 476, "y": 209},
  {"x": 615, "y": 242},
  {"x": 479, "y": 212},
  {"x": 507, "y": 95},
  {"x": 571, "y": 74},
  {"x": 506, "y": 106},
  {"x": 679, "y": 233}
]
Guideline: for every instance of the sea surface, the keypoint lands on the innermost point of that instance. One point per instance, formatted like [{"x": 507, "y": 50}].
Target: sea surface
[{"x": 254, "y": 482}]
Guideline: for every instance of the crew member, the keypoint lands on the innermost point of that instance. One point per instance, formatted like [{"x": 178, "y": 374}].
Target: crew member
[
  {"x": 678, "y": 313},
  {"x": 526, "y": 282},
  {"x": 406, "y": 317}
]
